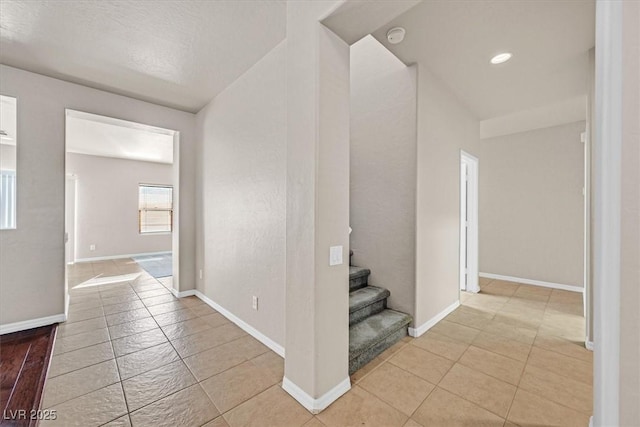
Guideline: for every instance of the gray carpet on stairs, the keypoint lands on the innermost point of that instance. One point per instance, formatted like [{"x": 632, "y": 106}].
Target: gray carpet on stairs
[
  {"x": 372, "y": 327},
  {"x": 365, "y": 302},
  {"x": 374, "y": 334}
]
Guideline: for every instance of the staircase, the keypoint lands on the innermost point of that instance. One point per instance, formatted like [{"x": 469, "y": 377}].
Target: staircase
[{"x": 372, "y": 326}]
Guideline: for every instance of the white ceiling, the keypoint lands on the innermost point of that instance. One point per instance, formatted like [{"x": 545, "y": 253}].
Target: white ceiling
[
  {"x": 178, "y": 53},
  {"x": 103, "y": 136},
  {"x": 353, "y": 20},
  {"x": 549, "y": 40}
]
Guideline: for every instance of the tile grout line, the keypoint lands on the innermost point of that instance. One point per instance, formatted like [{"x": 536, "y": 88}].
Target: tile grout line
[
  {"x": 128, "y": 414},
  {"x": 374, "y": 369},
  {"x": 523, "y": 368},
  {"x": 114, "y": 358},
  {"x": 118, "y": 372},
  {"x": 464, "y": 398},
  {"x": 519, "y": 381},
  {"x": 181, "y": 359}
]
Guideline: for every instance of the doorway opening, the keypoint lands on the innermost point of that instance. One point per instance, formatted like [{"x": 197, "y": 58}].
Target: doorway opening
[
  {"x": 121, "y": 202},
  {"x": 468, "y": 223}
]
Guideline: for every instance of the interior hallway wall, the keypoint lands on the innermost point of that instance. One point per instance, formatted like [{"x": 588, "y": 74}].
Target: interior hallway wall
[
  {"x": 630, "y": 215},
  {"x": 30, "y": 293},
  {"x": 531, "y": 205},
  {"x": 445, "y": 126},
  {"x": 107, "y": 205},
  {"x": 244, "y": 167},
  {"x": 383, "y": 169}
]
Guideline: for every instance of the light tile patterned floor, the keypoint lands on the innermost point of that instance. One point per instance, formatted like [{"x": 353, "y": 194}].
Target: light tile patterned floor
[{"x": 132, "y": 354}]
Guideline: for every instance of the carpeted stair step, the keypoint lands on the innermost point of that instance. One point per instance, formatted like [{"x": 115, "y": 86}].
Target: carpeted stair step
[
  {"x": 358, "y": 277},
  {"x": 373, "y": 335},
  {"x": 365, "y": 302}
]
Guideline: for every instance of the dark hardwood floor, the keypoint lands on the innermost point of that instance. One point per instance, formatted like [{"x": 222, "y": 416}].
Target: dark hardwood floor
[{"x": 24, "y": 360}]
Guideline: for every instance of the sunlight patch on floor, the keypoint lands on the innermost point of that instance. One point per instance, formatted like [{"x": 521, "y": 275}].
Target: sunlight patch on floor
[{"x": 100, "y": 280}]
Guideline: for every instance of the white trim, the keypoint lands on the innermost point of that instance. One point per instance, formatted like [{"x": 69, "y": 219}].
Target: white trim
[
  {"x": 607, "y": 204},
  {"x": 106, "y": 258},
  {"x": 182, "y": 294},
  {"x": 469, "y": 246},
  {"x": 98, "y": 118},
  {"x": 315, "y": 406},
  {"x": 241, "y": 323},
  {"x": 177, "y": 209},
  {"x": 416, "y": 332},
  {"x": 585, "y": 138},
  {"x": 33, "y": 323},
  {"x": 570, "y": 288},
  {"x": 462, "y": 271},
  {"x": 588, "y": 344}
]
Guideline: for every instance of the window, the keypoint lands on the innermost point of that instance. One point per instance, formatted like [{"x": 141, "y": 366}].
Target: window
[
  {"x": 155, "y": 210},
  {"x": 7, "y": 199},
  {"x": 8, "y": 163}
]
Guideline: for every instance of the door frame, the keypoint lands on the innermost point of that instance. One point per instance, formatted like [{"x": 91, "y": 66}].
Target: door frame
[
  {"x": 132, "y": 124},
  {"x": 468, "y": 265},
  {"x": 71, "y": 192},
  {"x": 70, "y": 225},
  {"x": 607, "y": 213}
]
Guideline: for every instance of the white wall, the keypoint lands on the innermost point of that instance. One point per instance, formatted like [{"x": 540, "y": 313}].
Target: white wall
[
  {"x": 445, "y": 126},
  {"x": 7, "y": 157},
  {"x": 630, "y": 224},
  {"x": 28, "y": 292},
  {"x": 531, "y": 205},
  {"x": 317, "y": 330},
  {"x": 243, "y": 133},
  {"x": 107, "y": 205},
  {"x": 383, "y": 169}
]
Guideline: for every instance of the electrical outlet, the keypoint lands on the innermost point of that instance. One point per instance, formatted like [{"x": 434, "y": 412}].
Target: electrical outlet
[
  {"x": 254, "y": 303},
  {"x": 200, "y": 274},
  {"x": 92, "y": 247}
]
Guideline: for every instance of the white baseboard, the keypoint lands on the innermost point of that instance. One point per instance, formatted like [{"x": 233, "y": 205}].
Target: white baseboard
[
  {"x": 570, "y": 288},
  {"x": 315, "y": 406},
  {"x": 106, "y": 258},
  {"x": 588, "y": 344},
  {"x": 241, "y": 323},
  {"x": 416, "y": 332},
  {"x": 182, "y": 294},
  {"x": 33, "y": 323}
]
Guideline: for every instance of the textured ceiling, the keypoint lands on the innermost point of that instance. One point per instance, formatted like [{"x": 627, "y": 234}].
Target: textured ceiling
[
  {"x": 549, "y": 40},
  {"x": 178, "y": 53}
]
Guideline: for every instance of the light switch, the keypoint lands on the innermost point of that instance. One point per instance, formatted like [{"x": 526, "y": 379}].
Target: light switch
[{"x": 335, "y": 255}]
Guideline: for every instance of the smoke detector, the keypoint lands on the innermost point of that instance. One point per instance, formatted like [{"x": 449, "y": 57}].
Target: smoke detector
[{"x": 396, "y": 35}]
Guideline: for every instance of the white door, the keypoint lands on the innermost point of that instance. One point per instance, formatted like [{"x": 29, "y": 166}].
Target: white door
[{"x": 468, "y": 223}]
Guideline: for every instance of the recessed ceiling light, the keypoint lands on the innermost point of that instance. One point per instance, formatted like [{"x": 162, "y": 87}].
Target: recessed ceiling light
[
  {"x": 396, "y": 35},
  {"x": 500, "y": 58}
]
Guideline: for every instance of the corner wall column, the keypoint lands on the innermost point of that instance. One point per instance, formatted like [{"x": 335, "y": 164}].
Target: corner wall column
[{"x": 317, "y": 334}]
